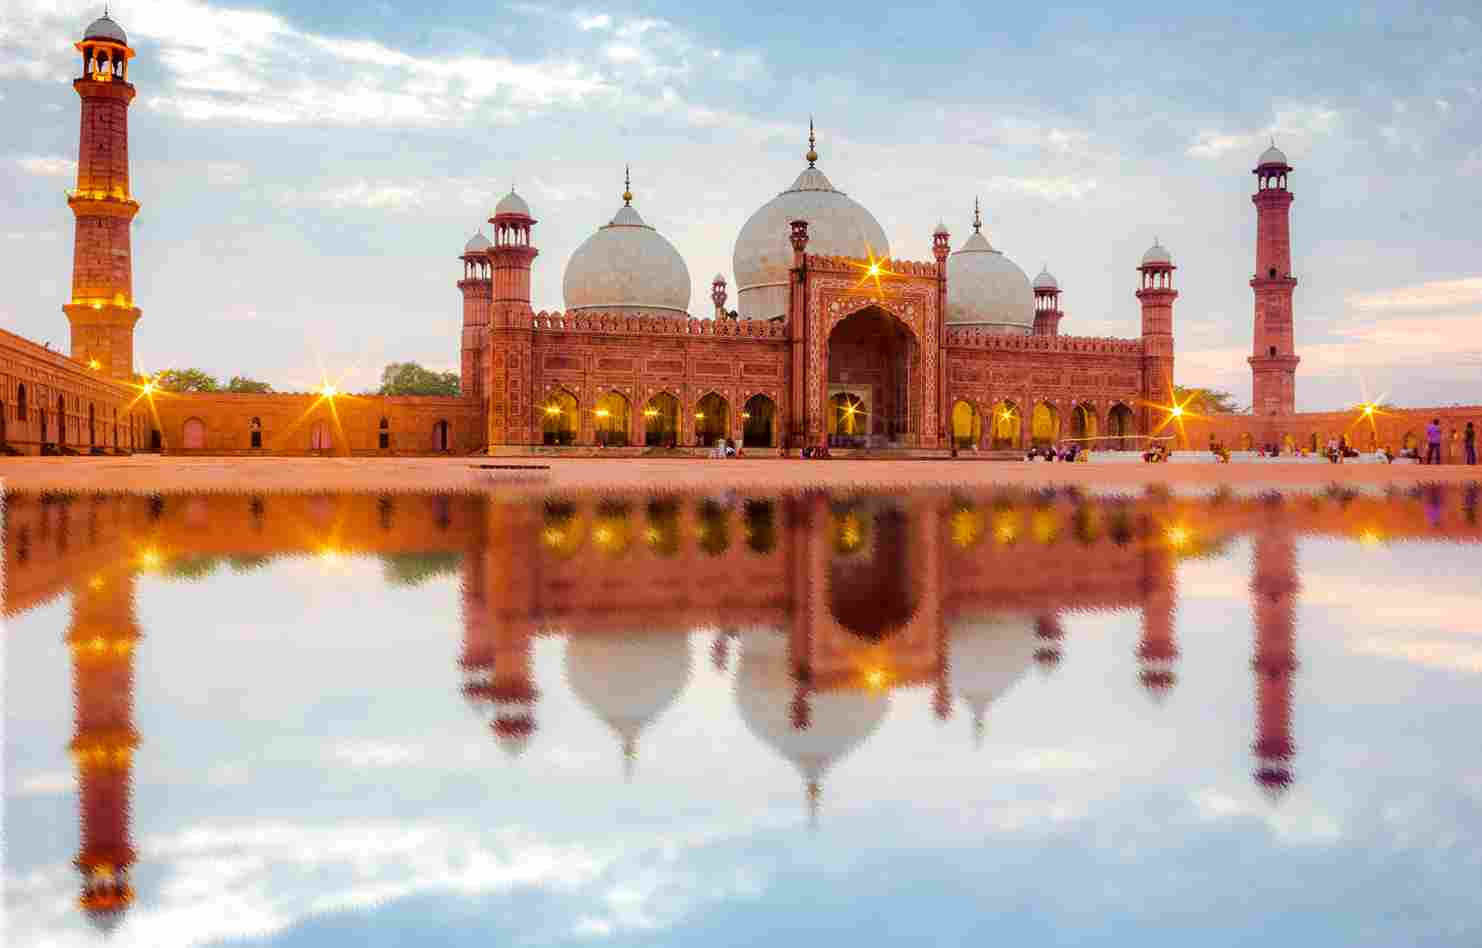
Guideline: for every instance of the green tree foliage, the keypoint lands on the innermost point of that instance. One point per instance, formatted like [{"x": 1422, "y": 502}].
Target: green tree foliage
[
  {"x": 241, "y": 383},
  {"x": 414, "y": 569},
  {"x": 409, "y": 378},
  {"x": 1206, "y": 401},
  {"x": 186, "y": 380}
]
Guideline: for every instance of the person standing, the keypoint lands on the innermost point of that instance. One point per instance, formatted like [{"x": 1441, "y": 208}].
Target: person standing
[
  {"x": 1469, "y": 441},
  {"x": 1433, "y": 442}
]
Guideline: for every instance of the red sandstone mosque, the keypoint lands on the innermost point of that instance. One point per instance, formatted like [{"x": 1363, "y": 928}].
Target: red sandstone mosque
[{"x": 835, "y": 341}]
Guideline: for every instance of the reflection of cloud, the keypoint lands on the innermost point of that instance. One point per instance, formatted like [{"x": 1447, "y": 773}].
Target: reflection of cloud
[
  {"x": 45, "y": 785},
  {"x": 373, "y": 754},
  {"x": 1431, "y": 653}
]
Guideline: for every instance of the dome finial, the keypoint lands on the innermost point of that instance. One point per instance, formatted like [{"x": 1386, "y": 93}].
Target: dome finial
[
  {"x": 627, "y": 186},
  {"x": 812, "y": 155},
  {"x": 977, "y": 217}
]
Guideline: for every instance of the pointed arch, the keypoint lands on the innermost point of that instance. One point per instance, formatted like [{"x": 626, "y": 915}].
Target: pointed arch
[
  {"x": 1007, "y": 425},
  {"x": 1085, "y": 423},
  {"x": 193, "y": 435},
  {"x": 759, "y": 422},
  {"x": 611, "y": 417},
  {"x": 661, "y": 420},
  {"x": 441, "y": 440},
  {"x": 1045, "y": 424},
  {"x": 1121, "y": 427},
  {"x": 967, "y": 424},
  {"x": 559, "y": 420},
  {"x": 712, "y": 419}
]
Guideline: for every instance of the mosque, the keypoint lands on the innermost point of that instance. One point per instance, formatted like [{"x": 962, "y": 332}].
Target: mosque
[{"x": 837, "y": 340}]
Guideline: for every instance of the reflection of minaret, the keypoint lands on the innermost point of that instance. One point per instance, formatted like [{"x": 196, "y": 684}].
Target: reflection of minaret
[
  {"x": 1274, "y": 590},
  {"x": 1158, "y": 650},
  {"x": 1048, "y": 630},
  {"x": 498, "y": 659},
  {"x": 102, "y": 636}
]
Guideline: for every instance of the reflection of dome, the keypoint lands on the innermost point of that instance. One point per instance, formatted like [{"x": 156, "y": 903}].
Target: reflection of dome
[
  {"x": 105, "y": 920},
  {"x": 837, "y": 721},
  {"x": 105, "y": 28},
  {"x": 512, "y": 203},
  {"x": 987, "y": 656},
  {"x": 629, "y": 680},
  {"x": 1157, "y": 254},
  {"x": 627, "y": 267},
  {"x": 1271, "y": 156},
  {"x": 837, "y": 226},
  {"x": 478, "y": 243},
  {"x": 987, "y": 289}
]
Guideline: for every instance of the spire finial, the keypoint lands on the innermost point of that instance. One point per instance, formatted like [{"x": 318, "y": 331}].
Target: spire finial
[
  {"x": 977, "y": 217},
  {"x": 812, "y": 155},
  {"x": 627, "y": 186}
]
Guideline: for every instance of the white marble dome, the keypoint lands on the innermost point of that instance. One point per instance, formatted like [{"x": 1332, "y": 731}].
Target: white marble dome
[
  {"x": 629, "y": 680},
  {"x": 837, "y": 226},
  {"x": 1046, "y": 281},
  {"x": 1157, "y": 254},
  {"x": 988, "y": 655},
  {"x": 627, "y": 267},
  {"x": 987, "y": 289},
  {"x": 478, "y": 243},
  {"x": 512, "y": 203},
  {"x": 1272, "y": 156},
  {"x": 105, "y": 28},
  {"x": 839, "y": 720}
]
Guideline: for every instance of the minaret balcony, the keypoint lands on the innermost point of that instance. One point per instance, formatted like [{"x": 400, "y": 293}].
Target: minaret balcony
[{"x": 101, "y": 203}]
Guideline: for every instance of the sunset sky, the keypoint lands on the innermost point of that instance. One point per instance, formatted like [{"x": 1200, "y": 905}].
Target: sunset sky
[{"x": 309, "y": 172}]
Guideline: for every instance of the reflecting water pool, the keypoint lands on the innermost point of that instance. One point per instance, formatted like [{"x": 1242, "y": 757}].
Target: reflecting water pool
[{"x": 1042, "y": 717}]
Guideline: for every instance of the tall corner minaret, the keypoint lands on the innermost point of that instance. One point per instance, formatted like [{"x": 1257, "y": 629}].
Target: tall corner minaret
[
  {"x": 1047, "y": 312},
  {"x": 1156, "y": 295},
  {"x": 507, "y": 363},
  {"x": 477, "y": 287},
  {"x": 1273, "y": 361},
  {"x": 102, "y": 636},
  {"x": 102, "y": 310}
]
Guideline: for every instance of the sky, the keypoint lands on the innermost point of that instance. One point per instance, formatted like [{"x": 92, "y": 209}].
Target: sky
[
  {"x": 349, "y": 795},
  {"x": 309, "y": 172}
]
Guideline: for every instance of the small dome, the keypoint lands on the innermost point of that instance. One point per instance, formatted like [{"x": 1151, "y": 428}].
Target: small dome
[
  {"x": 1272, "y": 156},
  {"x": 719, "y": 278},
  {"x": 478, "y": 243},
  {"x": 1046, "y": 281},
  {"x": 627, "y": 267},
  {"x": 837, "y": 226},
  {"x": 105, "y": 28},
  {"x": 1157, "y": 254},
  {"x": 987, "y": 289},
  {"x": 941, "y": 230},
  {"x": 628, "y": 681},
  {"x": 988, "y": 656},
  {"x": 512, "y": 203}
]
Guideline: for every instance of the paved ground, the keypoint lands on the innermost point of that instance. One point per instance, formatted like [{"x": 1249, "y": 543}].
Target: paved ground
[{"x": 296, "y": 474}]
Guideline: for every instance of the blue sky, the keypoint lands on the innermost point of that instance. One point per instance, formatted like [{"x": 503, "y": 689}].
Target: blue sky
[
  {"x": 349, "y": 795},
  {"x": 309, "y": 172}
]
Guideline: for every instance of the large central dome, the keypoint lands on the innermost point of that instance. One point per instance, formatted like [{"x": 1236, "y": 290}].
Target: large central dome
[
  {"x": 837, "y": 226},
  {"x": 627, "y": 267}
]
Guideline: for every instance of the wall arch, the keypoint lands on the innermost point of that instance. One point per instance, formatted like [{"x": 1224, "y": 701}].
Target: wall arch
[
  {"x": 611, "y": 419},
  {"x": 559, "y": 419},
  {"x": 759, "y": 422},
  {"x": 661, "y": 420},
  {"x": 712, "y": 419},
  {"x": 193, "y": 435}
]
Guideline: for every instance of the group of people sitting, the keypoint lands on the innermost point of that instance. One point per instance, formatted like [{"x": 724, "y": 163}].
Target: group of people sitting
[{"x": 1070, "y": 452}]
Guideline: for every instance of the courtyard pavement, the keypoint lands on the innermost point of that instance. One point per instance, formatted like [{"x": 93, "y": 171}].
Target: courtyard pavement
[{"x": 147, "y": 473}]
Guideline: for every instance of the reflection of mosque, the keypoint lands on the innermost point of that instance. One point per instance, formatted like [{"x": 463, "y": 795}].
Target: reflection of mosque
[{"x": 836, "y": 605}]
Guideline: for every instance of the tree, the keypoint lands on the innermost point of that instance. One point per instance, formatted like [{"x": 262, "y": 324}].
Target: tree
[
  {"x": 414, "y": 569},
  {"x": 241, "y": 383},
  {"x": 1206, "y": 401},
  {"x": 186, "y": 380},
  {"x": 409, "y": 378}
]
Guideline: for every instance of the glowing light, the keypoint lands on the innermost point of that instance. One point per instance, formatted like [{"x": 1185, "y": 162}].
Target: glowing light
[
  {"x": 1177, "y": 411},
  {"x": 650, "y": 413},
  {"x": 148, "y": 387},
  {"x": 328, "y": 390},
  {"x": 699, "y": 416},
  {"x": 552, "y": 410},
  {"x": 95, "y": 584},
  {"x": 874, "y": 270},
  {"x": 1178, "y": 537},
  {"x": 149, "y": 558},
  {"x": 94, "y": 364},
  {"x": 875, "y": 678},
  {"x": 1369, "y": 537},
  {"x": 603, "y": 413}
]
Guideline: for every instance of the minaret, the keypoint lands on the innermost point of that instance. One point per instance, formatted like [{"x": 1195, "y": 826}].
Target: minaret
[
  {"x": 102, "y": 311},
  {"x": 718, "y": 295},
  {"x": 1046, "y": 304},
  {"x": 507, "y": 365},
  {"x": 1156, "y": 295},
  {"x": 101, "y": 636},
  {"x": 1274, "y": 589},
  {"x": 1157, "y": 653},
  {"x": 941, "y": 249},
  {"x": 477, "y": 287},
  {"x": 1273, "y": 362}
]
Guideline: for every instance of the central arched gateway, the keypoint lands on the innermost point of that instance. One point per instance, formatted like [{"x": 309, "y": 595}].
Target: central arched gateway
[{"x": 873, "y": 393}]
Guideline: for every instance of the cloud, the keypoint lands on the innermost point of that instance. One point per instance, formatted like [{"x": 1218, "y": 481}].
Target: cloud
[
  {"x": 47, "y": 166},
  {"x": 45, "y": 785},
  {"x": 1439, "y": 294},
  {"x": 374, "y": 196},
  {"x": 1293, "y": 124},
  {"x": 600, "y": 21}
]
